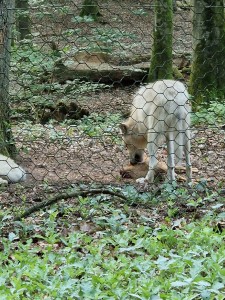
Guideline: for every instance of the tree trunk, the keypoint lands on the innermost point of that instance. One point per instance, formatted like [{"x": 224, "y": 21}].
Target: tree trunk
[
  {"x": 161, "y": 62},
  {"x": 207, "y": 79},
  {"x": 22, "y": 20},
  {"x": 174, "y": 5},
  {"x": 90, "y": 8},
  {"x": 6, "y": 20}
]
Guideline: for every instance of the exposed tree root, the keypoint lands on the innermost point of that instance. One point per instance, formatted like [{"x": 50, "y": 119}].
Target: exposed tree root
[{"x": 65, "y": 196}]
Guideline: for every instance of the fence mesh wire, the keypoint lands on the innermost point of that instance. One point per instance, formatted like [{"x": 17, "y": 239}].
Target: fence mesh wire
[{"x": 71, "y": 84}]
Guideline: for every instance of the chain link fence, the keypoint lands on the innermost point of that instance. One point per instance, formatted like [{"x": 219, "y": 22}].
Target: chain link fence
[{"x": 72, "y": 81}]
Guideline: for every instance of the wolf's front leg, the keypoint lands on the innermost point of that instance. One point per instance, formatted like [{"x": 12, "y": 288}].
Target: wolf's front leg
[
  {"x": 152, "y": 149},
  {"x": 149, "y": 178},
  {"x": 151, "y": 172}
]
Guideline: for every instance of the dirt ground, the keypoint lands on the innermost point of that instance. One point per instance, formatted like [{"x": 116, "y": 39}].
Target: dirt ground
[{"x": 78, "y": 158}]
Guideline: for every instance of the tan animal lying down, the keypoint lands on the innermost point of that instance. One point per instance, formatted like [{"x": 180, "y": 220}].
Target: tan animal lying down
[{"x": 140, "y": 170}]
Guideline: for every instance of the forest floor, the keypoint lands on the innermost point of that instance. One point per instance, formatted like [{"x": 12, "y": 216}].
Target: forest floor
[
  {"x": 90, "y": 151},
  {"x": 104, "y": 237}
]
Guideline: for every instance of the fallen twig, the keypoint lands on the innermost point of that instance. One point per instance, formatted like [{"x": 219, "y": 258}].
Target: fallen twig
[{"x": 65, "y": 196}]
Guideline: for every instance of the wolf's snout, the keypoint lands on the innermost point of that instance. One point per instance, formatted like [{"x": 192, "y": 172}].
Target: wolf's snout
[{"x": 137, "y": 159}]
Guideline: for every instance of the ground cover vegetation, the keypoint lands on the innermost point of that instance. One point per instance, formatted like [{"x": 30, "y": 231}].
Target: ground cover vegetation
[
  {"x": 163, "y": 244},
  {"x": 104, "y": 248}
]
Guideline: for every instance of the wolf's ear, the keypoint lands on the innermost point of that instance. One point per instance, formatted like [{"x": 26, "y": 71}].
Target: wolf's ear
[{"x": 123, "y": 128}]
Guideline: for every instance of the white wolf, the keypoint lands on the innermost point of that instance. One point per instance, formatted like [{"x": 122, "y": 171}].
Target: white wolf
[
  {"x": 10, "y": 171},
  {"x": 160, "y": 111}
]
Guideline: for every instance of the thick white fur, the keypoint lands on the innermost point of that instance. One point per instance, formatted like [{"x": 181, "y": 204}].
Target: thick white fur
[
  {"x": 160, "y": 111},
  {"x": 10, "y": 171}
]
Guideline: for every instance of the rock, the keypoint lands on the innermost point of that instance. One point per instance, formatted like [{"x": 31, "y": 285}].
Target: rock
[{"x": 3, "y": 181}]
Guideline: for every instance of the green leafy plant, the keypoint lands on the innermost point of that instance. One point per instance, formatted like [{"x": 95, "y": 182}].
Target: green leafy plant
[
  {"x": 97, "y": 125},
  {"x": 122, "y": 262},
  {"x": 101, "y": 248},
  {"x": 105, "y": 40},
  {"x": 84, "y": 19},
  {"x": 172, "y": 209},
  {"x": 212, "y": 115},
  {"x": 140, "y": 12}
]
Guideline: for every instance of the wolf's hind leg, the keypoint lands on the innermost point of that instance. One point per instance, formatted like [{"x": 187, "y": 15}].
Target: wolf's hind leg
[
  {"x": 187, "y": 151},
  {"x": 171, "y": 157}
]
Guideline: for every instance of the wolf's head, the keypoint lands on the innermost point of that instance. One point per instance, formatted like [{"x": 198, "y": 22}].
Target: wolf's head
[{"x": 134, "y": 141}]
